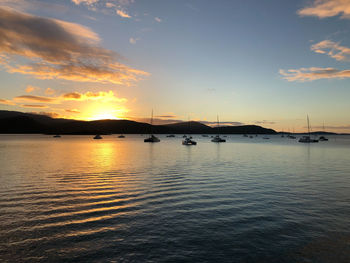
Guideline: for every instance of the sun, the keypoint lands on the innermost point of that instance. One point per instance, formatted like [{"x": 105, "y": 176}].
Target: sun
[{"x": 105, "y": 111}]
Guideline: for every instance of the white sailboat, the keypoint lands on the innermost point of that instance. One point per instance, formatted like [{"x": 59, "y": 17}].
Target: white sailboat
[
  {"x": 217, "y": 138},
  {"x": 151, "y": 137},
  {"x": 307, "y": 139},
  {"x": 188, "y": 139}
]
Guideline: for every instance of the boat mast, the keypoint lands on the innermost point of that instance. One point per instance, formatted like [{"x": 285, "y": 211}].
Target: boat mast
[
  {"x": 151, "y": 128},
  {"x": 217, "y": 119},
  {"x": 308, "y": 125}
]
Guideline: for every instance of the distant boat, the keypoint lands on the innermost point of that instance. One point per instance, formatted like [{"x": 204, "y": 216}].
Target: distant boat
[
  {"x": 151, "y": 137},
  {"x": 217, "y": 137},
  {"x": 291, "y": 136},
  {"x": 98, "y": 137},
  {"x": 184, "y": 136},
  {"x": 57, "y": 136},
  {"x": 170, "y": 136},
  {"x": 322, "y": 138},
  {"x": 189, "y": 141},
  {"x": 245, "y": 135},
  {"x": 266, "y": 138},
  {"x": 307, "y": 139},
  {"x": 251, "y": 136},
  {"x": 205, "y": 135},
  {"x": 121, "y": 136}
]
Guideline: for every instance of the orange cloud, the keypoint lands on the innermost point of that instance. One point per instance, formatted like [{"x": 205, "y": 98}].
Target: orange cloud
[
  {"x": 122, "y": 13},
  {"x": 72, "y": 111},
  {"x": 101, "y": 95},
  {"x": 327, "y": 8},
  {"x": 31, "y": 88},
  {"x": 49, "y": 91},
  {"x": 53, "y": 49},
  {"x": 34, "y": 98},
  {"x": 313, "y": 73},
  {"x": 33, "y": 106},
  {"x": 332, "y": 49},
  {"x": 6, "y": 102}
]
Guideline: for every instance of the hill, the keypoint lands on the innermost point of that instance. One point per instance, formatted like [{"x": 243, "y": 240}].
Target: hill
[{"x": 20, "y": 122}]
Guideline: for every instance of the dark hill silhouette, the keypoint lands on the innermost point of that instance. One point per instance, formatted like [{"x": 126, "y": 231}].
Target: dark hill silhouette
[{"x": 19, "y": 122}]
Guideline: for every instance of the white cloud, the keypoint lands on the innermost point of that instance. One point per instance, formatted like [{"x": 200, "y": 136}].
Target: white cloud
[{"x": 132, "y": 40}]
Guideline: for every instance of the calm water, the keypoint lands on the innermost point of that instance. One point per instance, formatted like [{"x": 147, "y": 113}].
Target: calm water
[{"x": 76, "y": 199}]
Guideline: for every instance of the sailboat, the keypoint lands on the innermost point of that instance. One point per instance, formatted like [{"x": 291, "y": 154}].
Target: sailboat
[
  {"x": 307, "y": 139},
  {"x": 188, "y": 139},
  {"x": 151, "y": 137},
  {"x": 217, "y": 137},
  {"x": 322, "y": 138}
]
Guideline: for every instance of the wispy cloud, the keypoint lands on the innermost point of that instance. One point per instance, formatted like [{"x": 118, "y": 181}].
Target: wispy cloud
[
  {"x": 132, "y": 40},
  {"x": 6, "y": 102},
  {"x": 122, "y": 13},
  {"x": 31, "y": 88},
  {"x": 222, "y": 123},
  {"x": 72, "y": 111},
  {"x": 49, "y": 91},
  {"x": 33, "y": 106},
  {"x": 86, "y": 2},
  {"x": 101, "y": 95},
  {"x": 332, "y": 49},
  {"x": 53, "y": 49},
  {"x": 265, "y": 122},
  {"x": 34, "y": 98},
  {"x": 327, "y": 8},
  {"x": 313, "y": 73},
  {"x": 166, "y": 116}
]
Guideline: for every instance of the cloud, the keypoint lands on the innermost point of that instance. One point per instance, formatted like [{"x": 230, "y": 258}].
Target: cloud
[
  {"x": 49, "y": 91},
  {"x": 166, "y": 116},
  {"x": 31, "y": 88},
  {"x": 34, "y": 98},
  {"x": 132, "y": 40},
  {"x": 158, "y": 19},
  {"x": 313, "y": 73},
  {"x": 222, "y": 123},
  {"x": 265, "y": 122},
  {"x": 110, "y": 5},
  {"x": 122, "y": 13},
  {"x": 72, "y": 111},
  {"x": 33, "y": 106},
  {"x": 6, "y": 102},
  {"x": 53, "y": 49},
  {"x": 86, "y": 2},
  {"x": 327, "y": 8},
  {"x": 332, "y": 49},
  {"x": 101, "y": 95}
]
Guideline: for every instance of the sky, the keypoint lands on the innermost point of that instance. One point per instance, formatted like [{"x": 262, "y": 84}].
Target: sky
[{"x": 261, "y": 62}]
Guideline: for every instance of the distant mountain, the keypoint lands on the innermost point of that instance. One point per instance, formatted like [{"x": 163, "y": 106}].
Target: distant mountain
[{"x": 20, "y": 122}]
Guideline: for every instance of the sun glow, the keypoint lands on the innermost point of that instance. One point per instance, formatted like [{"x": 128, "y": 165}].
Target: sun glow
[{"x": 104, "y": 112}]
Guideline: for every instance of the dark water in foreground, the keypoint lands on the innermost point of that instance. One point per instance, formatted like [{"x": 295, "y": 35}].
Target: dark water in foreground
[{"x": 75, "y": 199}]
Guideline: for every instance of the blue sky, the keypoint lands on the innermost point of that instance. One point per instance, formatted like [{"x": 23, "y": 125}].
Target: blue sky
[{"x": 252, "y": 62}]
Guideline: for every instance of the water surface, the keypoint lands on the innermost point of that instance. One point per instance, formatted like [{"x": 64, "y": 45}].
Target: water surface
[{"x": 75, "y": 199}]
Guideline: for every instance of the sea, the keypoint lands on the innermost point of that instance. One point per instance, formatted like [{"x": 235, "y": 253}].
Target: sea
[{"x": 76, "y": 199}]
